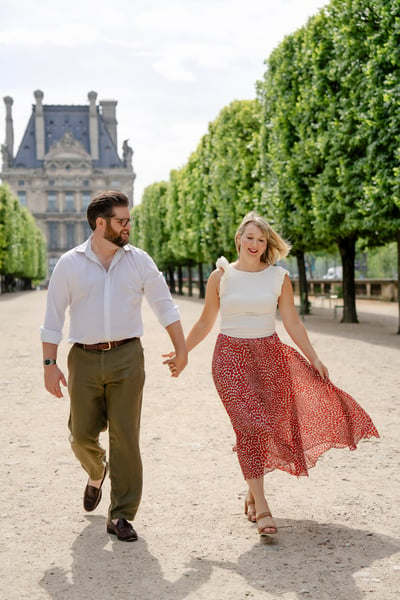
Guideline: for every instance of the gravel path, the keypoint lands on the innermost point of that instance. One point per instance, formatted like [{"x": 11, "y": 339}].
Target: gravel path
[{"x": 338, "y": 529}]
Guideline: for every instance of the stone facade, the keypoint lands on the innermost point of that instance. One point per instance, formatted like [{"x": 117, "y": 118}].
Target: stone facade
[{"x": 67, "y": 155}]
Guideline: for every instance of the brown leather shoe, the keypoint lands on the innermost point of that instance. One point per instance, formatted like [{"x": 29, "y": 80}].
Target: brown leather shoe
[
  {"x": 123, "y": 530},
  {"x": 92, "y": 495}
]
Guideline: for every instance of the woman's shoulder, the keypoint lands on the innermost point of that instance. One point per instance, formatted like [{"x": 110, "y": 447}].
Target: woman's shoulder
[
  {"x": 279, "y": 276},
  {"x": 280, "y": 270},
  {"x": 219, "y": 275}
]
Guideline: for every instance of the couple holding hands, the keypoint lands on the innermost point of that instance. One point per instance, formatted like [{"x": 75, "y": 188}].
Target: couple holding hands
[{"x": 284, "y": 409}]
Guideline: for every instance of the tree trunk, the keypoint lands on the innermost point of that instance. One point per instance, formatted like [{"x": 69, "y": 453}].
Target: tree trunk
[
  {"x": 398, "y": 275},
  {"x": 347, "y": 249},
  {"x": 202, "y": 290},
  {"x": 180, "y": 280},
  {"x": 171, "y": 280},
  {"x": 304, "y": 302},
  {"x": 9, "y": 283},
  {"x": 190, "y": 278}
]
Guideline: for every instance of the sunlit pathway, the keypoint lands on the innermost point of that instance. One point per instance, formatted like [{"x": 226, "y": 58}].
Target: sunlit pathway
[{"x": 339, "y": 529}]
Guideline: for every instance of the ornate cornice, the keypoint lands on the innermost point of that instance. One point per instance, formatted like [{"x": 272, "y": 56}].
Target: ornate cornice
[{"x": 67, "y": 149}]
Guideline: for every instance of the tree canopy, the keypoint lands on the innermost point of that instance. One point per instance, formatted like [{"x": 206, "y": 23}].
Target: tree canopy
[
  {"x": 22, "y": 244},
  {"x": 317, "y": 152}
]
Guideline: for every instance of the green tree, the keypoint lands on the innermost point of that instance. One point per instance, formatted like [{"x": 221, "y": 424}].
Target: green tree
[
  {"x": 289, "y": 160},
  {"x": 174, "y": 223},
  {"x": 150, "y": 231},
  {"x": 344, "y": 46},
  {"x": 234, "y": 176},
  {"x": 22, "y": 245},
  {"x": 10, "y": 233},
  {"x": 381, "y": 201},
  {"x": 193, "y": 201}
]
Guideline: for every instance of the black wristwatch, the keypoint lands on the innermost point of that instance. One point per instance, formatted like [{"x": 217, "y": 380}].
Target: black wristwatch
[{"x": 49, "y": 361}]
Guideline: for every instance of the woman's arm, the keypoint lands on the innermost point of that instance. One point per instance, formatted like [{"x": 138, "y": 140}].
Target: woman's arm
[
  {"x": 205, "y": 323},
  {"x": 295, "y": 327}
]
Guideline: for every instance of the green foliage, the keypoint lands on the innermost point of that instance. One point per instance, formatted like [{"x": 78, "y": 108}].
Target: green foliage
[
  {"x": 317, "y": 152},
  {"x": 382, "y": 262},
  {"x": 149, "y": 231},
  {"x": 22, "y": 245},
  {"x": 234, "y": 178},
  {"x": 331, "y": 129},
  {"x": 199, "y": 209},
  {"x": 175, "y": 216},
  {"x": 381, "y": 203},
  {"x": 290, "y": 161}
]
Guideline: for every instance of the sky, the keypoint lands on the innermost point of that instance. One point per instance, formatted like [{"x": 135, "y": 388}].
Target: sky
[{"x": 171, "y": 65}]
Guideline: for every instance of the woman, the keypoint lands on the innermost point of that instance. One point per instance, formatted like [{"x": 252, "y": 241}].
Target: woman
[{"x": 284, "y": 410}]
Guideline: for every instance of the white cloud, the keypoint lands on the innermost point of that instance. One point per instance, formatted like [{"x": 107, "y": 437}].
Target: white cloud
[
  {"x": 63, "y": 35},
  {"x": 173, "y": 69}
]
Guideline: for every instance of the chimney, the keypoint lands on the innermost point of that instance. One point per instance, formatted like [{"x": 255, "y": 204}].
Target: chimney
[
  {"x": 93, "y": 126},
  {"x": 39, "y": 125},
  {"x": 108, "y": 112},
  {"x": 9, "y": 141}
]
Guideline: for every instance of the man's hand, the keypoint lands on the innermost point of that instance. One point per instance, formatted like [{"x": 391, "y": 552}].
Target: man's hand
[
  {"x": 176, "y": 362},
  {"x": 53, "y": 376}
]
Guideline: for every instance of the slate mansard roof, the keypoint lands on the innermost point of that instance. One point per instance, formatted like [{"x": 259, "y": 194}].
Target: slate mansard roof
[{"x": 59, "y": 120}]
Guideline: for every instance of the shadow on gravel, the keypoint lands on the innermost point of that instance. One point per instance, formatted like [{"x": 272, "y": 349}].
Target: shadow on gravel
[
  {"x": 315, "y": 560},
  {"x": 122, "y": 570},
  {"x": 374, "y": 328}
]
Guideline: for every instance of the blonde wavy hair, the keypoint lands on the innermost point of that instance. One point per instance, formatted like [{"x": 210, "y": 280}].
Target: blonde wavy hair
[{"x": 276, "y": 249}]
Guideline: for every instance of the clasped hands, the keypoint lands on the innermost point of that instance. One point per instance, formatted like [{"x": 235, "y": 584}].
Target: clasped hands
[{"x": 175, "y": 362}]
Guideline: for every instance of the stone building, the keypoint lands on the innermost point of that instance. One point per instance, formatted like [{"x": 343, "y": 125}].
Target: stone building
[{"x": 67, "y": 155}]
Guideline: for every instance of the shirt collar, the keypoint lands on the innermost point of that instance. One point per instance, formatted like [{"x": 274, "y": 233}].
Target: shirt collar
[{"x": 86, "y": 248}]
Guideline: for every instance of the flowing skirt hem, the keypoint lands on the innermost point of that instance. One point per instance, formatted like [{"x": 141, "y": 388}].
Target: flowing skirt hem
[{"x": 284, "y": 414}]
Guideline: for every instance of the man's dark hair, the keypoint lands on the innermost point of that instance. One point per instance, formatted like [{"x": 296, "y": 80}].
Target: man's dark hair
[{"x": 103, "y": 204}]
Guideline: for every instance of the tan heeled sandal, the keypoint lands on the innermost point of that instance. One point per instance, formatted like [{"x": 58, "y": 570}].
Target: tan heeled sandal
[
  {"x": 250, "y": 510},
  {"x": 271, "y": 528}
]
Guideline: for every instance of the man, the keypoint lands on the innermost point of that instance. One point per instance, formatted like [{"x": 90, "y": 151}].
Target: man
[{"x": 103, "y": 281}]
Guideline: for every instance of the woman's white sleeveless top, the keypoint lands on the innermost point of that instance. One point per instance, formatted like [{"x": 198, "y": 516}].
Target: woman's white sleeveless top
[{"x": 248, "y": 300}]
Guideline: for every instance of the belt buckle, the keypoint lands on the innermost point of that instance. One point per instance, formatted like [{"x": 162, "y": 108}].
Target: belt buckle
[{"x": 109, "y": 347}]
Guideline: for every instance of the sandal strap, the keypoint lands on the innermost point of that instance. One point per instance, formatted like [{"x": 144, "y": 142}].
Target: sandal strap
[{"x": 264, "y": 514}]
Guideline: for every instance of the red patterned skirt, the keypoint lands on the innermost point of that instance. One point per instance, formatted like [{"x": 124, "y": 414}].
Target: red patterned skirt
[{"x": 284, "y": 414}]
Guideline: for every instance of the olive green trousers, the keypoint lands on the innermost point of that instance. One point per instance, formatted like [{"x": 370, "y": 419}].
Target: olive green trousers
[{"x": 105, "y": 389}]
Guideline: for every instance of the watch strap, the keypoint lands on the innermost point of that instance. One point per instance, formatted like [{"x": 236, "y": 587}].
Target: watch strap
[{"x": 49, "y": 361}]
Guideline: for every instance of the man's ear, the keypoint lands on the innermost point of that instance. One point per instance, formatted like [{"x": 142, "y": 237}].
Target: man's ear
[{"x": 100, "y": 222}]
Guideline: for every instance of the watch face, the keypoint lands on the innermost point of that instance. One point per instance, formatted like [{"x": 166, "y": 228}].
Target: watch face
[{"x": 49, "y": 361}]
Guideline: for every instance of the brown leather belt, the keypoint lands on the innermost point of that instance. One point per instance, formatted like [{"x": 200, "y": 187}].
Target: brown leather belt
[{"x": 103, "y": 346}]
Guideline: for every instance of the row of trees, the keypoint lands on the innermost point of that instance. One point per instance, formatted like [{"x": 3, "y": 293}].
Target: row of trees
[
  {"x": 191, "y": 219},
  {"x": 331, "y": 132},
  {"x": 22, "y": 244},
  {"x": 317, "y": 152}
]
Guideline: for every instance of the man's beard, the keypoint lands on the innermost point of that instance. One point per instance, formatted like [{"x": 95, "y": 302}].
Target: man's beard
[{"x": 114, "y": 238}]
